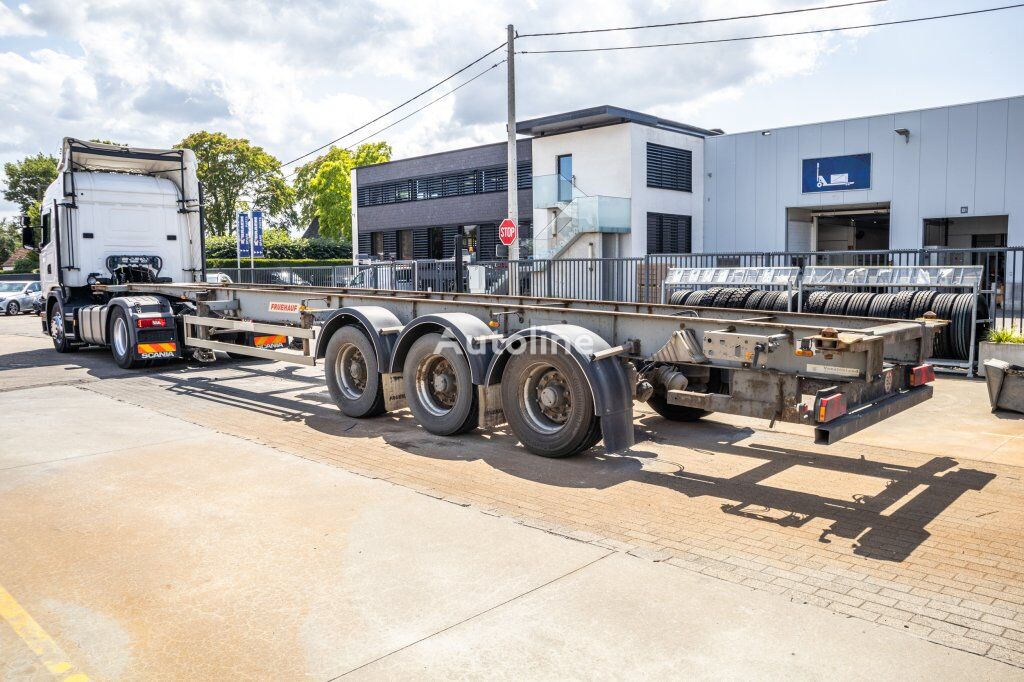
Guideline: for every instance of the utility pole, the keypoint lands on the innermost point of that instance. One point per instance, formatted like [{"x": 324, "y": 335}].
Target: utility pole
[{"x": 513, "y": 179}]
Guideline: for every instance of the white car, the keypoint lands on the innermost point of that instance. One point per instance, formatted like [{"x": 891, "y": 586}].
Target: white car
[{"x": 19, "y": 297}]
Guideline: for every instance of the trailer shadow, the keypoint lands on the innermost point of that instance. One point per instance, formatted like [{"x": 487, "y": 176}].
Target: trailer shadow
[{"x": 918, "y": 495}]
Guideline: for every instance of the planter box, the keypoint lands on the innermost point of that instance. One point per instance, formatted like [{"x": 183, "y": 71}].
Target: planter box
[{"x": 1012, "y": 353}]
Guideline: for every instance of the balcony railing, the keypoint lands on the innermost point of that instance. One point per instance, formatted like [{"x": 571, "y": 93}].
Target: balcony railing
[{"x": 552, "y": 191}]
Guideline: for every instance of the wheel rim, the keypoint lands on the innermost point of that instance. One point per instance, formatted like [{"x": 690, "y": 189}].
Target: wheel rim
[
  {"x": 437, "y": 386},
  {"x": 547, "y": 399},
  {"x": 351, "y": 372},
  {"x": 12, "y": 308},
  {"x": 57, "y": 327},
  {"x": 120, "y": 337}
]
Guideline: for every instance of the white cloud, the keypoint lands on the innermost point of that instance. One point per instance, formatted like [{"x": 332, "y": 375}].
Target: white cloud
[{"x": 291, "y": 76}]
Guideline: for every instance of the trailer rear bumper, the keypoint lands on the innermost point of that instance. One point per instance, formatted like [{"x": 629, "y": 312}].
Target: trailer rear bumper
[{"x": 868, "y": 415}]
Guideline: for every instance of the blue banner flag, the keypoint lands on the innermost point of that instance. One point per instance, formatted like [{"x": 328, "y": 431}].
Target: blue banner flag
[
  {"x": 243, "y": 234},
  {"x": 257, "y": 234}
]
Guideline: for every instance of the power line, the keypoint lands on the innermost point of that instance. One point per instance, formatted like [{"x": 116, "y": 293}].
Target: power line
[
  {"x": 775, "y": 35},
  {"x": 353, "y": 146},
  {"x": 699, "y": 21},
  {"x": 394, "y": 109}
]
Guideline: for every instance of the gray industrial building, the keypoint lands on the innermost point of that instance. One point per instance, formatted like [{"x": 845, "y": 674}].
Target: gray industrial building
[{"x": 950, "y": 176}]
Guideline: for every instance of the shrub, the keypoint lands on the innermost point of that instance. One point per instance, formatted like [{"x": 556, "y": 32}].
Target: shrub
[
  {"x": 278, "y": 244},
  {"x": 1005, "y": 336},
  {"x": 225, "y": 263},
  {"x": 29, "y": 263}
]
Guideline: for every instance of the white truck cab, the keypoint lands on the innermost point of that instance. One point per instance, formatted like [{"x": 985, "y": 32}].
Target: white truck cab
[{"x": 115, "y": 215}]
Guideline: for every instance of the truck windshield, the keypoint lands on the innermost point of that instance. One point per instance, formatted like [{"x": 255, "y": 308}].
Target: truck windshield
[{"x": 7, "y": 287}]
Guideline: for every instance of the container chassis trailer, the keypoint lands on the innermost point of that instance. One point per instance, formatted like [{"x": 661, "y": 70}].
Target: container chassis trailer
[{"x": 562, "y": 374}]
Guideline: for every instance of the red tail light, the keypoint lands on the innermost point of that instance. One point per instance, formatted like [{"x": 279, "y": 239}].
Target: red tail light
[
  {"x": 921, "y": 375},
  {"x": 831, "y": 407},
  {"x": 147, "y": 322}
]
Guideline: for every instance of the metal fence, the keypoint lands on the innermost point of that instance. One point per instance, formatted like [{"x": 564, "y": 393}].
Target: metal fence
[{"x": 640, "y": 280}]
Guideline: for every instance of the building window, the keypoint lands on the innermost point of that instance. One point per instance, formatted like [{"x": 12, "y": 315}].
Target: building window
[
  {"x": 478, "y": 181},
  {"x": 667, "y": 233},
  {"x": 669, "y": 168},
  {"x": 405, "y": 246},
  {"x": 377, "y": 249},
  {"x": 563, "y": 166}
]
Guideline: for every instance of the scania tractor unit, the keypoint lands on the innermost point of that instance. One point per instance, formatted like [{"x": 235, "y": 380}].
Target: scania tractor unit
[{"x": 122, "y": 266}]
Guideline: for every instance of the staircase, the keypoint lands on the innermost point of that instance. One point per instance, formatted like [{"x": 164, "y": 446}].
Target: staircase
[{"x": 581, "y": 214}]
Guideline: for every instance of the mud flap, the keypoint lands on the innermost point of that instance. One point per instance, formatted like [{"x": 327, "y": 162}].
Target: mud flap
[
  {"x": 489, "y": 399},
  {"x": 394, "y": 391}
]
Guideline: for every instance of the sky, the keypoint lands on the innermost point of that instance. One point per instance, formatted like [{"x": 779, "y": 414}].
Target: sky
[{"x": 291, "y": 76}]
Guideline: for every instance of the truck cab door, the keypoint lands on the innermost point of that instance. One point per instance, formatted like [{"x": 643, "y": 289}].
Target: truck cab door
[{"x": 49, "y": 273}]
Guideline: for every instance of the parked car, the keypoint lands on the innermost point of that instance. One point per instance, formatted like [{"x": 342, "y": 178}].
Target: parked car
[{"x": 19, "y": 297}]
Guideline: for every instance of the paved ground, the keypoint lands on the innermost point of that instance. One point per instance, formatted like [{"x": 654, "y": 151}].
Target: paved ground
[{"x": 211, "y": 521}]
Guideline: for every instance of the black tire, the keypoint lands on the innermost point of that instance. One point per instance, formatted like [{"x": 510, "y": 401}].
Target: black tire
[
  {"x": 675, "y": 413},
  {"x": 922, "y": 303},
  {"x": 739, "y": 297},
  {"x": 694, "y": 298},
  {"x": 723, "y": 297},
  {"x": 837, "y": 303},
  {"x": 772, "y": 300},
  {"x": 121, "y": 340},
  {"x": 13, "y": 309},
  {"x": 943, "y": 307},
  {"x": 785, "y": 298},
  {"x": 900, "y": 309},
  {"x": 880, "y": 305},
  {"x": 678, "y": 297},
  {"x": 815, "y": 303},
  {"x": 353, "y": 373},
  {"x": 753, "y": 302},
  {"x": 566, "y": 433},
  {"x": 858, "y": 306},
  {"x": 61, "y": 343},
  {"x": 439, "y": 386},
  {"x": 709, "y": 296}
]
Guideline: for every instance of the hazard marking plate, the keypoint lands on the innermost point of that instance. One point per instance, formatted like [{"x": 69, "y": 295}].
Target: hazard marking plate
[
  {"x": 835, "y": 371},
  {"x": 280, "y": 307}
]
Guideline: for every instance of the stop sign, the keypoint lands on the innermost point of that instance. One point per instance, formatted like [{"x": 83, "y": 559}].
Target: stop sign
[{"x": 507, "y": 231}]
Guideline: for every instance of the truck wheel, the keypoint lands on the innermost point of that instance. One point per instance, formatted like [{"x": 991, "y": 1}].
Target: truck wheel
[
  {"x": 439, "y": 387},
  {"x": 353, "y": 375},
  {"x": 121, "y": 340},
  {"x": 675, "y": 413},
  {"x": 548, "y": 404},
  {"x": 61, "y": 343}
]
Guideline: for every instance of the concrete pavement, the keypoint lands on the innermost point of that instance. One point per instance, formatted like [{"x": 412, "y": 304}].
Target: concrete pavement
[{"x": 146, "y": 542}]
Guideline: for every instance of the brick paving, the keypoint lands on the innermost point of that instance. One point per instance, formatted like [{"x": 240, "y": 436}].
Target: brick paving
[{"x": 930, "y": 545}]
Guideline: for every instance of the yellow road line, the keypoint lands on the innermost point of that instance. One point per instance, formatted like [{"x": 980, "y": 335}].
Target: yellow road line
[{"x": 30, "y": 632}]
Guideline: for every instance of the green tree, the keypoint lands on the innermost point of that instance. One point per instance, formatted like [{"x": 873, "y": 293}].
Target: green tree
[
  {"x": 26, "y": 180},
  {"x": 323, "y": 188},
  {"x": 10, "y": 237},
  {"x": 231, "y": 168}
]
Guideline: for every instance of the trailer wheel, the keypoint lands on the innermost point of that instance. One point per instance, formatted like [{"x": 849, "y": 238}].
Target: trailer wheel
[
  {"x": 675, "y": 413},
  {"x": 439, "y": 387},
  {"x": 353, "y": 374},
  {"x": 121, "y": 340},
  {"x": 548, "y": 404}
]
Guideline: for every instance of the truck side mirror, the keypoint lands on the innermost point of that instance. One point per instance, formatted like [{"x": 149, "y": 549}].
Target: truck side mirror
[
  {"x": 69, "y": 184},
  {"x": 28, "y": 237}
]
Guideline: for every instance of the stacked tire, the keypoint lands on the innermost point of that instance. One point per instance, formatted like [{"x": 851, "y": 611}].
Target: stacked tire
[{"x": 953, "y": 342}]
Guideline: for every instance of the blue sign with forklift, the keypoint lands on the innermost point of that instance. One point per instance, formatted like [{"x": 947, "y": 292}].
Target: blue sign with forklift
[{"x": 837, "y": 173}]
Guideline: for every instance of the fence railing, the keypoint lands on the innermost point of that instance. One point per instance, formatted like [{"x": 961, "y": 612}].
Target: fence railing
[{"x": 640, "y": 280}]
